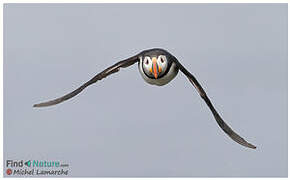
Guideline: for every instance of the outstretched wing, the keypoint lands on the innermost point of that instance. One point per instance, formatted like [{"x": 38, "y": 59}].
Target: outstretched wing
[
  {"x": 217, "y": 117},
  {"x": 110, "y": 70}
]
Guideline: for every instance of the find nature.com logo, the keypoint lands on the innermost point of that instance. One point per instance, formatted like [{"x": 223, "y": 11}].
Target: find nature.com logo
[{"x": 35, "y": 167}]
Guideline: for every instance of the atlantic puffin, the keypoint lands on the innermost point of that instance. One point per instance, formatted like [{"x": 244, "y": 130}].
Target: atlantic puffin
[{"x": 157, "y": 67}]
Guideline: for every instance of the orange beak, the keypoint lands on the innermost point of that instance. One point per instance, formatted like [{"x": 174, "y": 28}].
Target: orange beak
[{"x": 155, "y": 72}]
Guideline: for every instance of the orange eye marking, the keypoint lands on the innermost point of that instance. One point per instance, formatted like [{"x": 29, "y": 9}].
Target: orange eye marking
[{"x": 159, "y": 69}]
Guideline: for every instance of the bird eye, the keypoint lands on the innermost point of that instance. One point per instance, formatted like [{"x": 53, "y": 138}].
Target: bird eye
[
  {"x": 162, "y": 59},
  {"x": 146, "y": 62}
]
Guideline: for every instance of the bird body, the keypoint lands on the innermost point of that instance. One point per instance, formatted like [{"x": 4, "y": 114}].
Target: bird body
[{"x": 158, "y": 67}]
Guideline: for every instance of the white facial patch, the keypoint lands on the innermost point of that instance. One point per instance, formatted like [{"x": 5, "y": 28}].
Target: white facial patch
[
  {"x": 162, "y": 63},
  {"x": 147, "y": 66}
]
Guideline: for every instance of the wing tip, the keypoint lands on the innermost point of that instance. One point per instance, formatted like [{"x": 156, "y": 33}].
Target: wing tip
[
  {"x": 42, "y": 104},
  {"x": 244, "y": 143},
  {"x": 37, "y": 105},
  {"x": 251, "y": 146}
]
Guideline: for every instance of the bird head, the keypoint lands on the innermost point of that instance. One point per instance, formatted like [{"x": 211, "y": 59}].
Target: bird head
[{"x": 154, "y": 66}]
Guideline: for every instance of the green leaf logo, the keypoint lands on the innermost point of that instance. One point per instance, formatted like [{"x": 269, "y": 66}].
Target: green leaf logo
[{"x": 28, "y": 163}]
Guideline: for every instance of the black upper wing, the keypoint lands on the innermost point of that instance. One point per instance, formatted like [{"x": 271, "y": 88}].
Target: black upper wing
[
  {"x": 110, "y": 70},
  {"x": 217, "y": 117}
]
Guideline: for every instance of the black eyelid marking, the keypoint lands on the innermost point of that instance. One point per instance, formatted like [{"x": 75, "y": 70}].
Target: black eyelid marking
[
  {"x": 146, "y": 61},
  {"x": 162, "y": 60}
]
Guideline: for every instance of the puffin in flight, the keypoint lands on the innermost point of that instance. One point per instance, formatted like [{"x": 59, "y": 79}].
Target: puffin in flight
[{"x": 157, "y": 67}]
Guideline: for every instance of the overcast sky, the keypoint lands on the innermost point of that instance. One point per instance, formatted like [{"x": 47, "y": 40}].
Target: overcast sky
[{"x": 122, "y": 126}]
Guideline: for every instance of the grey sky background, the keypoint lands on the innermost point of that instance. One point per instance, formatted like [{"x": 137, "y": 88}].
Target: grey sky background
[{"x": 122, "y": 126}]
